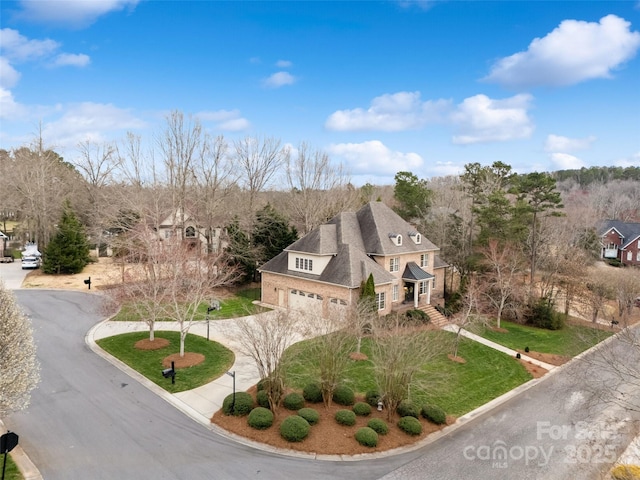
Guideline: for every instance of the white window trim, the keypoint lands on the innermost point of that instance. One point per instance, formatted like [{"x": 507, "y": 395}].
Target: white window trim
[
  {"x": 394, "y": 264},
  {"x": 380, "y": 300},
  {"x": 424, "y": 260},
  {"x": 396, "y": 293}
]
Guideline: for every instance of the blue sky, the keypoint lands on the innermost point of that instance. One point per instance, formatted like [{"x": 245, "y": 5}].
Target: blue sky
[{"x": 381, "y": 86}]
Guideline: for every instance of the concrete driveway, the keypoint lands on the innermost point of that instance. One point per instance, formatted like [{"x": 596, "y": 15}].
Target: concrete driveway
[{"x": 12, "y": 275}]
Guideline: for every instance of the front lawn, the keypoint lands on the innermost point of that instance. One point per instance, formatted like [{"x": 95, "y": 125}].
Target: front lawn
[
  {"x": 568, "y": 341},
  {"x": 218, "y": 359},
  {"x": 12, "y": 472},
  {"x": 240, "y": 305},
  {"x": 456, "y": 387}
]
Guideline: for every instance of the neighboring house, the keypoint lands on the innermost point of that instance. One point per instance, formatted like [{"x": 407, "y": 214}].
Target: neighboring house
[
  {"x": 324, "y": 270},
  {"x": 186, "y": 227},
  {"x": 620, "y": 240},
  {"x": 3, "y": 242}
]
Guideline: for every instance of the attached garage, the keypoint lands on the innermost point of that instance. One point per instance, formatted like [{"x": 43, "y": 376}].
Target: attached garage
[{"x": 305, "y": 301}]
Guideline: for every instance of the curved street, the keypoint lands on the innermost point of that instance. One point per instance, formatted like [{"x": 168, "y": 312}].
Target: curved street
[{"x": 88, "y": 419}]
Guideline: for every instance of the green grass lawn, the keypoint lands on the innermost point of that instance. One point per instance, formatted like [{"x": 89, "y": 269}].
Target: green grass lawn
[
  {"x": 455, "y": 387},
  {"x": 12, "y": 472},
  {"x": 239, "y": 305},
  {"x": 218, "y": 359},
  {"x": 568, "y": 341}
]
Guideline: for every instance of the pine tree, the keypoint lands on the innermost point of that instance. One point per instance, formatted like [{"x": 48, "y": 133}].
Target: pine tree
[{"x": 68, "y": 251}]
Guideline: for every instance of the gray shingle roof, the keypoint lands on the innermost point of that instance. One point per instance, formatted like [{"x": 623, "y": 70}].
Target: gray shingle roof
[
  {"x": 353, "y": 238},
  {"x": 377, "y": 221},
  {"x": 630, "y": 231},
  {"x": 413, "y": 272}
]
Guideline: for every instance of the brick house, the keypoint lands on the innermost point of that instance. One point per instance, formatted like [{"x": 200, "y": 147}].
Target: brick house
[
  {"x": 186, "y": 228},
  {"x": 620, "y": 240},
  {"x": 323, "y": 271}
]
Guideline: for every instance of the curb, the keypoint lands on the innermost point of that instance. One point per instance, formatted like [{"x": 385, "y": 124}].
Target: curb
[
  {"x": 196, "y": 416},
  {"x": 27, "y": 468}
]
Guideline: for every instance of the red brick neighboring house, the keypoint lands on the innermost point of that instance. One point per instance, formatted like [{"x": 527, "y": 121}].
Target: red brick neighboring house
[
  {"x": 620, "y": 240},
  {"x": 322, "y": 272}
]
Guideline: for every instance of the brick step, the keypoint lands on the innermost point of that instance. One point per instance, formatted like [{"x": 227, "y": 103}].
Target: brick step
[{"x": 436, "y": 317}]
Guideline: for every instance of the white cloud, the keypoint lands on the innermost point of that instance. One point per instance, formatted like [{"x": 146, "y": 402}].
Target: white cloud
[
  {"x": 89, "y": 121},
  {"x": 279, "y": 79},
  {"x": 573, "y": 52},
  {"x": 229, "y": 120},
  {"x": 71, "y": 59},
  {"x": 374, "y": 158},
  {"x": 283, "y": 64},
  {"x": 77, "y": 13},
  {"x": 565, "y": 161},
  {"x": 391, "y": 113},
  {"x": 9, "y": 76},
  {"x": 480, "y": 119},
  {"x": 632, "y": 161},
  {"x": 558, "y": 143},
  {"x": 9, "y": 108},
  {"x": 18, "y": 48}
]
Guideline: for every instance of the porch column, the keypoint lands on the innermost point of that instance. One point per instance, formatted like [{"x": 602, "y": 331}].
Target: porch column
[
  {"x": 429, "y": 292},
  {"x": 416, "y": 294}
]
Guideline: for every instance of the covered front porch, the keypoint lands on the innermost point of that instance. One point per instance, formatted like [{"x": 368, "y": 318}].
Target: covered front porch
[{"x": 416, "y": 288}]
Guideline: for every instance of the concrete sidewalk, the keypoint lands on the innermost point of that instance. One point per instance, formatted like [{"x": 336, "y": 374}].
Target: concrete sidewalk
[
  {"x": 497, "y": 346},
  {"x": 202, "y": 402}
]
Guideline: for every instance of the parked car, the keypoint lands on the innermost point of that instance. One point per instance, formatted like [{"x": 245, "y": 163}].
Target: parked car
[{"x": 30, "y": 262}]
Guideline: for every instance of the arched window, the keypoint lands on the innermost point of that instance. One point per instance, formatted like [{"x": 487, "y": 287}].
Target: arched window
[{"x": 190, "y": 232}]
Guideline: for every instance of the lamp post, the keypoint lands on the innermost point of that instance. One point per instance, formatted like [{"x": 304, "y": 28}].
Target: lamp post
[{"x": 233, "y": 400}]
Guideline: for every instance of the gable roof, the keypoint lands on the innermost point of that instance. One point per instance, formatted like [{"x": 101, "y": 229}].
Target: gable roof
[
  {"x": 628, "y": 230},
  {"x": 349, "y": 267},
  {"x": 352, "y": 239},
  {"x": 378, "y": 222}
]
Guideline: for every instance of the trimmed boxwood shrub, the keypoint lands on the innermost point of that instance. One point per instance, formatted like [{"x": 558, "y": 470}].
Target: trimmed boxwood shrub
[
  {"x": 243, "y": 404},
  {"x": 260, "y": 418},
  {"x": 346, "y": 417},
  {"x": 312, "y": 393},
  {"x": 373, "y": 397},
  {"x": 434, "y": 414},
  {"x": 408, "y": 409},
  {"x": 293, "y": 401},
  {"x": 311, "y": 415},
  {"x": 410, "y": 425},
  {"x": 260, "y": 384},
  {"x": 362, "y": 409},
  {"x": 378, "y": 425},
  {"x": 367, "y": 436},
  {"x": 344, "y": 395},
  {"x": 262, "y": 399},
  {"x": 294, "y": 428}
]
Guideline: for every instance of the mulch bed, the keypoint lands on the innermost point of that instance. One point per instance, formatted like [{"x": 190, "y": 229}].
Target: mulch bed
[
  {"x": 156, "y": 344},
  {"x": 189, "y": 359},
  {"x": 327, "y": 437}
]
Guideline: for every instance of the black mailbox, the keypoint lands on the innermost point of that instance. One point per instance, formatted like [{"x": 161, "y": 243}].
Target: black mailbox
[
  {"x": 87, "y": 282},
  {"x": 167, "y": 372}
]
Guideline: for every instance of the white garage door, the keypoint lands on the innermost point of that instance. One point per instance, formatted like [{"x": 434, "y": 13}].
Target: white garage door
[{"x": 305, "y": 301}]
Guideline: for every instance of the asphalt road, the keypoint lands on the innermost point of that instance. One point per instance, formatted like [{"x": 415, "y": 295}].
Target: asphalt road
[{"x": 88, "y": 420}]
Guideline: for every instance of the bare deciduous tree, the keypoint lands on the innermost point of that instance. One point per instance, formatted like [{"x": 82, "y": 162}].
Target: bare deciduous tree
[
  {"x": 265, "y": 338},
  {"x": 505, "y": 262},
  {"x": 398, "y": 353},
  {"x": 313, "y": 181},
  {"x": 333, "y": 343},
  {"x": 19, "y": 367},
  {"x": 259, "y": 160}
]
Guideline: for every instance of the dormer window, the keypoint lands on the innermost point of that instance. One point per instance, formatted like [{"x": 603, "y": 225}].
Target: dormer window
[
  {"x": 190, "y": 232},
  {"x": 416, "y": 237},
  {"x": 396, "y": 238}
]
